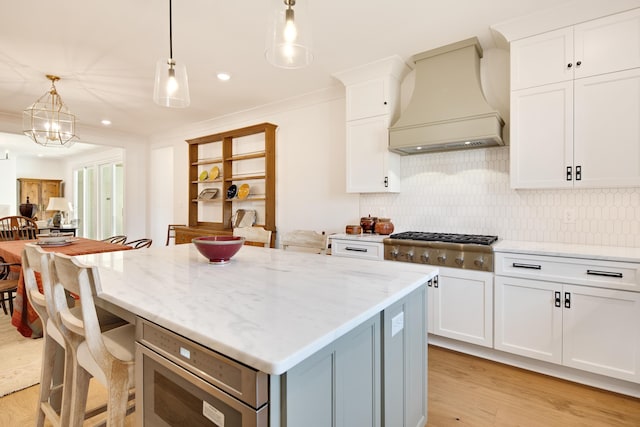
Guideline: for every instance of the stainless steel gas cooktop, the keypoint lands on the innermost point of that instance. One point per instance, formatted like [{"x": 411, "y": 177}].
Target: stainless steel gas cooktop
[{"x": 468, "y": 251}]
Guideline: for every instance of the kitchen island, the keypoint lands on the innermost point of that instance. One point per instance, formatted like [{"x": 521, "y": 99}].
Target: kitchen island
[{"x": 286, "y": 314}]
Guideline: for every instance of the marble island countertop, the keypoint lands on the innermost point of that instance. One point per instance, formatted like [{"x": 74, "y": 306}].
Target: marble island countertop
[{"x": 267, "y": 308}]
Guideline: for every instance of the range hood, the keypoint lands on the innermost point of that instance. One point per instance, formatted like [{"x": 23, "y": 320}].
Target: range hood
[{"x": 448, "y": 110}]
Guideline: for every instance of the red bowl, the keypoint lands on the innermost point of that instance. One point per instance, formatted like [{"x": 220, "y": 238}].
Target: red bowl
[{"x": 218, "y": 249}]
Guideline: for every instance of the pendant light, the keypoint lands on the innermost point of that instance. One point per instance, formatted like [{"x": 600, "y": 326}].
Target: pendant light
[
  {"x": 171, "y": 87},
  {"x": 48, "y": 121},
  {"x": 289, "y": 35}
]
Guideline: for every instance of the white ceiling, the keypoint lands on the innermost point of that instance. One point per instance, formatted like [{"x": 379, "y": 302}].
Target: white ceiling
[{"x": 105, "y": 51}]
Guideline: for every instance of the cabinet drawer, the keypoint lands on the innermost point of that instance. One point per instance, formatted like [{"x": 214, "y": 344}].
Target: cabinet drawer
[
  {"x": 364, "y": 250},
  {"x": 597, "y": 273}
]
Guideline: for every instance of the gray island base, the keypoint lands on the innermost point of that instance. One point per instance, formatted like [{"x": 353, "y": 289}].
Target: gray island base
[{"x": 273, "y": 338}]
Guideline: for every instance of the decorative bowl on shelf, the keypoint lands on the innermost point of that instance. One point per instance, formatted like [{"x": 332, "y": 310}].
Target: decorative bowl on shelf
[{"x": 218, "y": 249}]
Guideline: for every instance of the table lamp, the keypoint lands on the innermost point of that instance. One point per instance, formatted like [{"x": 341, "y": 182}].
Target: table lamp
[{"x": 57, "y": 204}]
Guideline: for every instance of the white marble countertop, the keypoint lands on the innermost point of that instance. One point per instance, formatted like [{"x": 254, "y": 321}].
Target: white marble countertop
[
  {"x": 609, "y": 253},
  {"x": 364, "y": 237},
  {"x": 267, "y": 308}
]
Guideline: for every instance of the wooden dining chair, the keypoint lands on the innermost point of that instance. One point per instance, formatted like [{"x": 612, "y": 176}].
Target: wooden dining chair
[
  {"x": 254, "y": 236},
  {"x": 8, "y": 285},
  {"x": 305, "y": 241},
  {"x": 106, "y": 356},
  {"x": 18, "y": 228},
  {"x": 140, "y": 243},
  {"x": 118, "y": 239}
]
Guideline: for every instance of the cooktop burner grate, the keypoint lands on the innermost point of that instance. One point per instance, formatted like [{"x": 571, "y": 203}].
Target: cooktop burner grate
[{"x": 445, "y": 237}]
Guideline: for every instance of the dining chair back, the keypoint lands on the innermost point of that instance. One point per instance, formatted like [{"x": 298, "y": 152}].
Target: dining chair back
[
  {"x": 36, "y": 261},
  {"x": 8, "y": 285},
  {"x": 140, "y": 243},
  {"x": 118, "y": 239},
  {"x": 254, "y": 236},
  {"x": 171, "y": 232},
  {"x": 106, "y": 356},
  {"x": 305, "y": 241},
  {"x": 18, "y": 228}
]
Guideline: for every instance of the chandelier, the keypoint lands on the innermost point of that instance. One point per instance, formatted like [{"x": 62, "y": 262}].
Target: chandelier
[{"x": 48, "y": 121}]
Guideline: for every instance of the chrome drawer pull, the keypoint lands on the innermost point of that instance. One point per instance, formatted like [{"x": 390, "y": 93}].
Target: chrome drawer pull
[
  {"x": 531, "y": 266},
  {"x": 349, "y": 248},
  {"x": 604, "y": 273}
]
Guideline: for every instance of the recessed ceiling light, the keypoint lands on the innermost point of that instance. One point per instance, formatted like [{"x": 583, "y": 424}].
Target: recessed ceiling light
[
  {"x": 223, "y": 76},
  {"x": 106, "y": 122}
]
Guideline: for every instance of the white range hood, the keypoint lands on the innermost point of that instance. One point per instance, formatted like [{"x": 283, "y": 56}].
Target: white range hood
[{"x": 448, "y": 110}]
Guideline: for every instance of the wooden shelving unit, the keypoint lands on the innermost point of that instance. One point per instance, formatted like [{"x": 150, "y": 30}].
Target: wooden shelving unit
[{"x": 231, "y": 153}]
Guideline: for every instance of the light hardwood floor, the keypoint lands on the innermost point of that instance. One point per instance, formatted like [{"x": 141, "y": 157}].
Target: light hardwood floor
[{"x": 463, "y": 391}]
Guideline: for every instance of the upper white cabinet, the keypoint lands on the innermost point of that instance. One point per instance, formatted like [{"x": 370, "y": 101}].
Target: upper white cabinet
[
  {"x": 372, "y": 104},
  {"x": 595, "y": 47},
  {"x": 575, "y": 103}
]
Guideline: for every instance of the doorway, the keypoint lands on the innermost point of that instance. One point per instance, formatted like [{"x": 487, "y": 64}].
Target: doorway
[{"x": 99, "y": 200}]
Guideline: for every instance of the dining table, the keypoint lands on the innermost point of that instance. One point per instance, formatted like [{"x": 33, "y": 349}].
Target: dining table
[{"x": 24, "y": 317}]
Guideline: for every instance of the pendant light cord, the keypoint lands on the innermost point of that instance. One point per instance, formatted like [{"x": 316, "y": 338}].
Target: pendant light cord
[{"x": 170, "y": 33}]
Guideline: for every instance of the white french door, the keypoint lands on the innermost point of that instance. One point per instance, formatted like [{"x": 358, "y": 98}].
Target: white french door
[{"x": 99, "y": 199}]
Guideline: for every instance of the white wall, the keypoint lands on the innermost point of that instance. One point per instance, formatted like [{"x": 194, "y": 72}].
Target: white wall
[{"x": 310, "y": 162}]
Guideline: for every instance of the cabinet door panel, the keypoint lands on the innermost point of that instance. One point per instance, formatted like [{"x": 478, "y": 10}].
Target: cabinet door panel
[
  {"x": 463, "y": 306},
  {"x": 542, "y": 136},
  {"x": 608, "y": 44},
  {"x": 542, "y": 59},
  {"x": 607, "y": 130},
  {"x": 602, "y": 332},
  {"x": 369, "y": 161},
  {"x": 527, "y": 321},
  {"x": 367, "y": 99}
]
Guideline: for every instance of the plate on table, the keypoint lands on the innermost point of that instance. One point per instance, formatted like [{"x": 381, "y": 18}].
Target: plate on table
[
  {"x": 53, "y": 238},
  {"x": 203, "y": 175},
  {"x": 55, "y": 244},
  {"x": 243, "y": 191},
  {"x": 232, "y": 191},
  {"x": 214, "y": 173}
]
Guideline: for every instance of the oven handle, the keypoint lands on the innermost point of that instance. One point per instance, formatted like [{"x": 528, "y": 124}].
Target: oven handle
[{"x": 254, "y": 417}]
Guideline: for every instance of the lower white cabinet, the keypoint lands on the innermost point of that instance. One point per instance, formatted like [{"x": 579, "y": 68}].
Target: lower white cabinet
[
  {"x": 461, "y": 306},
  {"x": 592, "y": 328},
  {"x": 358, "y": 246}
]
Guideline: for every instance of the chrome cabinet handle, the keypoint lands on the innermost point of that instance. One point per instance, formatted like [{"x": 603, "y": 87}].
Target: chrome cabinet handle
[{"x": 349, "y": 248}]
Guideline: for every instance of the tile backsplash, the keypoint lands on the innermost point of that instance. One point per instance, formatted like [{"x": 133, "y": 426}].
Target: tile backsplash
[{"x": 469, "y": 192}]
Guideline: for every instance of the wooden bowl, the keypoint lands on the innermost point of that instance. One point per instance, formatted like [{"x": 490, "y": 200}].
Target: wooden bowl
[{"x": 353, "y": 229}]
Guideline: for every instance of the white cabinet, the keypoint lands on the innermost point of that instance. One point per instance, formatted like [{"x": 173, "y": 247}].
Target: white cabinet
[
  {"x": 540, "y": 312},
  {"x": 364, "y": 246},
  {"x": 461, "y": 306},
  {"x": 575, "y": 101},
  {"x": 372, "y": 103},
  {"x": 595, "y": 47}
]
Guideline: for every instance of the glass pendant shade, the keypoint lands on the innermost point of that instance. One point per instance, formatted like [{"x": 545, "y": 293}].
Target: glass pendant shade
[
  {"x": 289, "y": 35},
  {"x": 171, "y": 88},
  {"x": 48, "y": 121}
]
